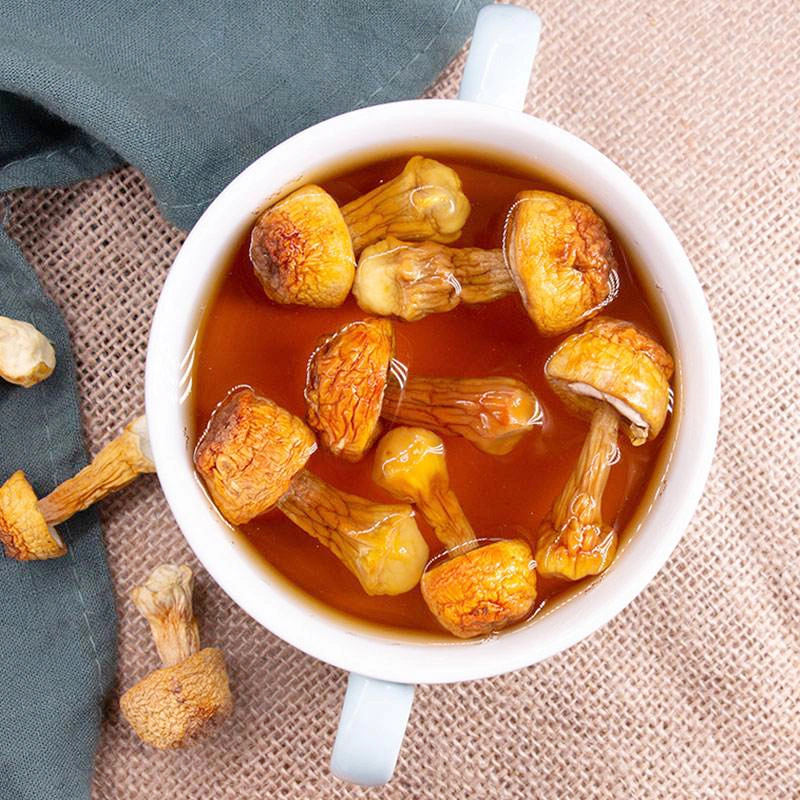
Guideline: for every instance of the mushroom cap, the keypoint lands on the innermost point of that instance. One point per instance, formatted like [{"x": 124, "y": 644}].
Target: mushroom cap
[
  {"x": 612, "y": 361},
  {"x": 176, "y": 706},
  {"x": 561, "y": 258},
  {"x": 249, "y": 453},
  {"x": 26, "y": 355},
  {"x": 345, "y": 383},
  {"x": 24, "y": 532},
  {"x": 482, "y": 590},
  {"x": 301, "y": 251},
  {"x": 408, "y": 461}
]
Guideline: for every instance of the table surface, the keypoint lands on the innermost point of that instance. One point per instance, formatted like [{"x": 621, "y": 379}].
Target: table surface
[{"x": 693, "y": 690}]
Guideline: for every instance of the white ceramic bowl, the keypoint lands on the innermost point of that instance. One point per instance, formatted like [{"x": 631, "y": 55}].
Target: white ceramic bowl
[{"x": 666, "y": 273}]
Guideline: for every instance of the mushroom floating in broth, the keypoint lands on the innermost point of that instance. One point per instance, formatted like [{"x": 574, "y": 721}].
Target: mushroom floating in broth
[
  {"x": 353, "y": 380},
  {"x": 478, "y": 588},
  {"x": 615, "y": 374}
]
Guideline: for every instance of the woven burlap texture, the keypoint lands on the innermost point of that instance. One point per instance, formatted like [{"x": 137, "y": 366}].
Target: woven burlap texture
[{"x": 693, "y": 691}]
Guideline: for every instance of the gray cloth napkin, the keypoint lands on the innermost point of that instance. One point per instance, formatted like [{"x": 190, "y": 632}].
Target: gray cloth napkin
[{"x": 190, "y": 93}]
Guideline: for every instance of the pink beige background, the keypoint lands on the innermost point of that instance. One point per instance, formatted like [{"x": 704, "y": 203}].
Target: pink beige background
[{"x": 693, "y": 691}]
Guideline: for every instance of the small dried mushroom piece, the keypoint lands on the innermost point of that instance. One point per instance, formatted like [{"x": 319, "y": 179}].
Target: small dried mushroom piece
[
  {"x": 26, "y": 525},
  {"x": 348, "y": 390},
  {"x": 187, "y": 698},
  {"x": 410, "y": 281},
  {"x": 301, "y": 251},
  {"x": 561, "y": 258},
  {"x": 26, "y": 356},
  {"x": 615, "y": 373},
  {"x": 251, "y": 459},
  {"x": 477, "y": 589},
  {"x": 424, "y": 202},
  {"x": 492, "y": 413},
  {"x": 380, "y": 544},
  {"x": 249, "y": 453},
  {"x": 345, "y": 382},
  {"x": 24, "y": 531}
]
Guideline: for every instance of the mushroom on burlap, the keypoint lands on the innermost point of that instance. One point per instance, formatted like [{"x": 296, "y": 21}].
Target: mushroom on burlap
[{"x": 188, "y": 697}]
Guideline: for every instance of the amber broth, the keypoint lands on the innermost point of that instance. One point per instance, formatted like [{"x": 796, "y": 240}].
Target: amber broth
[{"x": 246, "y": 339}]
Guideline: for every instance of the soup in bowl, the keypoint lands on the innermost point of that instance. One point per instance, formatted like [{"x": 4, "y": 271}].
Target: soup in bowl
[{"x": 562, "y": 427}]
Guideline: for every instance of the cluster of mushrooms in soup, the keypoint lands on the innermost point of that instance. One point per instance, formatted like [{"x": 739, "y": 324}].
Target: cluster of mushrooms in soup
[{"x": 428, "y": 393}]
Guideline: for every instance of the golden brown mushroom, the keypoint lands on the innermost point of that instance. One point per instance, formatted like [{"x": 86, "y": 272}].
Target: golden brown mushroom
[
  {"x": 26, "y": 525},
  {"x": 348, "y": 389},
  {"x": 492, "y": 413},
  {"x": 303, "y": 248},
  {"x": 189, "y": 697},
  {"x": 301, "y": 252},
  {"x": 26, "y": 356},
  {"x": 410, "y": 281},
  {"x": 611, "y": 372},
  {"x": 561, "y": 258},
  {"x": 477, "y": 589},
  {"x": 424, "y": 201},
  {"x": 251, "y": 458}
]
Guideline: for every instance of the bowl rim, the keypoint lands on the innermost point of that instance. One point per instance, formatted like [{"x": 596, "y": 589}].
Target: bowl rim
[{"x": 382, "y": 656}]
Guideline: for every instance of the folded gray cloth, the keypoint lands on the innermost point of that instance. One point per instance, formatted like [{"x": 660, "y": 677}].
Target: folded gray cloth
[{"x": 190, "y": 93}]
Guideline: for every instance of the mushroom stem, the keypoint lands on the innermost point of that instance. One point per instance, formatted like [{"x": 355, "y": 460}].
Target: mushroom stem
[
  {"x": 119, "y": 463},
  {"x": 587, "y": 482},
  {"x": 424, "y": 201},
  {"x": 380, "y": 544},
  {"x": 165, "y": 600},
  {"x": 492, "y": 413},
  {"x": 411, "y": 281},
  {"x": 574, "y": 541}
]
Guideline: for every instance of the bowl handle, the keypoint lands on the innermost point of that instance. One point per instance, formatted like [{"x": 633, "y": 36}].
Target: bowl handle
[
  {"x": 371, "y": 727},
  {"x": 500, "y": 60}
]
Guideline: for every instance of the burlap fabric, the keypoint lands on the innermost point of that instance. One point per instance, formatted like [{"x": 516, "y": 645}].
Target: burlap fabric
[{"x": 693, "y": 691}]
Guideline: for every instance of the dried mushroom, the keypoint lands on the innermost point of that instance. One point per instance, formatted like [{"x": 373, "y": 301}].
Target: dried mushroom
[
  {"x": 560, "y": 255},
  {"x": 301, "y": 252},
  {"x": 611, "y": 371},
  {"x": 345, "y": 383},
  {"x": 380, "y": 544},
  {"x": 26, "y": 525},
  {"x": 477, "y": 589},
  {"x": 410, "y": 281},
  {"x": 26, "y": 356},
  {"x": 249, "y": 453},
  {"x": 187, "y": 698},
  {"x": 348, "y": 390},
  {"x": 492, "y": 413},
  {"x": 424, "y": 202},
  {"x": 251, "y": 459},
  {"x": 24, "y": 531}
]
